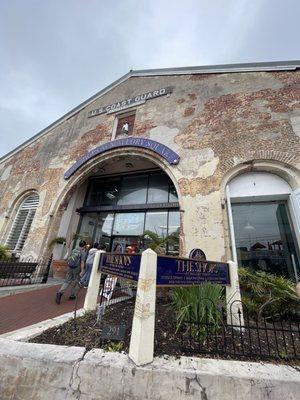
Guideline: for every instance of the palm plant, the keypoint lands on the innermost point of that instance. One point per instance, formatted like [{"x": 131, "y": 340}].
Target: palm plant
[
  {"x": 267, "y": 294},
  {"x": 159, "y": 243}
]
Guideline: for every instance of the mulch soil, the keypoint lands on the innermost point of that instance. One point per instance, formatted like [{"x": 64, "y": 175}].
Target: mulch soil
[{"x": 86, "y": 331}]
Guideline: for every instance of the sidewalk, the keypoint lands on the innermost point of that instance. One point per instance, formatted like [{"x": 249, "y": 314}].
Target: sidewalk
[
  {"x": 27, "y": 308},
  {"x": 10, "y": 290}
]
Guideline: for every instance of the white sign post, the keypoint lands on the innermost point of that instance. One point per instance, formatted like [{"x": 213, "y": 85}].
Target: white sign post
[
  {"x": 141, "y": 347},
  {"x": 233, "y": 297},
  {"x": 91, "y": 297}
]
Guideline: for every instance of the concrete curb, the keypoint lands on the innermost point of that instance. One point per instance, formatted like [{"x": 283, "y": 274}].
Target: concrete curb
[{"x": 37, "y": 371}]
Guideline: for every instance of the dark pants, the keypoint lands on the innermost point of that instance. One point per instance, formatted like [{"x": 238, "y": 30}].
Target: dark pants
[{"x": 72, "y": 278}]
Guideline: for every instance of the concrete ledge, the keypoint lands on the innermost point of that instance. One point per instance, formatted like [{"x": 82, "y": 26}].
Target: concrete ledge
[{"x": 35, "y": 371}]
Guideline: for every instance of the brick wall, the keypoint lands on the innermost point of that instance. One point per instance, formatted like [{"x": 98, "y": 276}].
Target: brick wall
[{"x": 214, "y": 121}]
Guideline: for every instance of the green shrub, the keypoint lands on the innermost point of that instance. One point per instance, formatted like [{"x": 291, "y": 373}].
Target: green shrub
[
  {"x": 114, "y": 346},
  {"x": 267, "y": 295},
  {"x": 4, "y": 253},
  {"x": 57, "y": 240},
  {"x": 197, "y": 305}
]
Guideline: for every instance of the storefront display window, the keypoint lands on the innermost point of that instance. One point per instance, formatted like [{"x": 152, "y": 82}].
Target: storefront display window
[
  {"x": 158, "y": 188},
  {"x": 128, "y": 224},
  {"x": 88, "y": 224},
  {"x": 150, "y": 188},
  {"x": 173, "y": 197},
  {"x": 263, "y": 237},
  {"x": 174, "y": 222},
  {"x": 120, "y": 209},
  {"x": 157, "y": 222},
  {"x": 133, "y": 190}
]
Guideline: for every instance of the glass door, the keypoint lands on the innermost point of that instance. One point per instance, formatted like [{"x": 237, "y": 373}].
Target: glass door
[{"x": 125, "y": 244}]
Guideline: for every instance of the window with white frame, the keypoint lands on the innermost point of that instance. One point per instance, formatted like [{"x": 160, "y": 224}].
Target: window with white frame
[
  {"x": 22, "y": 223},
  {"x": 263, "y": 234}
]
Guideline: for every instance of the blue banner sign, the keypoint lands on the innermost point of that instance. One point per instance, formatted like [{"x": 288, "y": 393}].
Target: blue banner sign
[
  {"x": 126, "y": 266},
  {"x": 169, "y": 155},
  {"x": 172, "y": 271}
]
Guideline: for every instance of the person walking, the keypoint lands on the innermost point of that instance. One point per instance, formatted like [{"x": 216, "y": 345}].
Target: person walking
[
  {"x": 89, "y": 264},
  {"x": 76, "y": 263}
]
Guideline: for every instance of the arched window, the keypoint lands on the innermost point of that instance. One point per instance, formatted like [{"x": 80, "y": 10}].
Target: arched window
[
  {"x": 262, "y": 230},
  {"x": 22, "y": 223}
]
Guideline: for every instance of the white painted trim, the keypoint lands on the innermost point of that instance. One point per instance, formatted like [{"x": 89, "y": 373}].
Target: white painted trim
[
  {"x": 141, "y": 348},
  {"x": 91, "y": 297},
  {"x": 258, "y": 186},
  {"x": 294, "y": 209},
  {"x": 231, "y": 226}
]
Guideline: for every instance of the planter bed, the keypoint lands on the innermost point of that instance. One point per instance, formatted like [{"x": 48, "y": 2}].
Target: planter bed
[{"x": 85, "y": 331}]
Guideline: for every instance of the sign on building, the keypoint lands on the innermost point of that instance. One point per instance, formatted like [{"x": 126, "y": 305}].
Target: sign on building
[
  {"x": 171, "y": 271},
  {"x": 131, "y": 102}
]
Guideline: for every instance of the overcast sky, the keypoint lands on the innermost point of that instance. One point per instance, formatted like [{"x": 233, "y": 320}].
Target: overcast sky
[{"x": 54, "y": 54}]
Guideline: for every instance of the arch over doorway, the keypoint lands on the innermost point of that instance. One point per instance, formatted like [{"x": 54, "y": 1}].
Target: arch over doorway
[
  {"x": 165, "y": 152},
  {"x": 112, "y": 163}
]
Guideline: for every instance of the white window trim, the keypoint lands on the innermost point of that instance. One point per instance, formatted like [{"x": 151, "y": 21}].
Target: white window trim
[
  {"x": 231, "y": 227},
  {"x": 293, "y": 205}
]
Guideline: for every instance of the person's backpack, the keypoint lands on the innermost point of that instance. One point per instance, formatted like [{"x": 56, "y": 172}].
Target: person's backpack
[{"x": 74, "y": 259}]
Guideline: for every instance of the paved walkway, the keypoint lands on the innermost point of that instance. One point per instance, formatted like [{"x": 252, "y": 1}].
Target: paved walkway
[{"x": 24, "y": 309}]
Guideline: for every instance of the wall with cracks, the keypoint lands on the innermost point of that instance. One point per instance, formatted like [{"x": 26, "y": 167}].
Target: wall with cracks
[{"x": 39, "y": 372}]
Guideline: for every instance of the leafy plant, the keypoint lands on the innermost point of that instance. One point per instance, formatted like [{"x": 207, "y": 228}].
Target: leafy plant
[
  {"x": 57, "y": 240},
  {"x": 267, "y": 294},
  {"x": 4, "y": 253},
  {"x": 67, "y": 241},
  {"x": 114, "y": 346},
  {"x": 159, "y": 243},
  {"x": 196, "y": 307}
]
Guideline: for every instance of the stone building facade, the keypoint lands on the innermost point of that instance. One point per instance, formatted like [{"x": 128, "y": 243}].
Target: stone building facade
[{"x": 236, "y": 124}]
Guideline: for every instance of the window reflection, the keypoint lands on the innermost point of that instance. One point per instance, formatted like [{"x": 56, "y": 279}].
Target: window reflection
[
  {"x": 129, "y": 224},
  {"x": 133, "y": 190},
  {"x": 263, "y": 237},
  {"x": 157, "y": 222},
  {"x": 173, "y": 197},
  {"x": 94, "y": 193},
  {"x": 154, "y": 187},
  {"x": 104, "y": 225},
  {"x": 88, "y": 223},
  {"x": 174, "y": 222},
  {"x": 158, "y": 188},
  {"x": 110, "y": 191}
]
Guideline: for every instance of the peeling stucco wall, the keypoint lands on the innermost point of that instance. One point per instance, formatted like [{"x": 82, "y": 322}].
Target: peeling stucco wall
[{"x": 215, "y": 122}]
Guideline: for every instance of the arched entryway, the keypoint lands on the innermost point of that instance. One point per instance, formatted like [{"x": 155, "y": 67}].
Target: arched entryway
[{"x": 117, "y": 199}]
